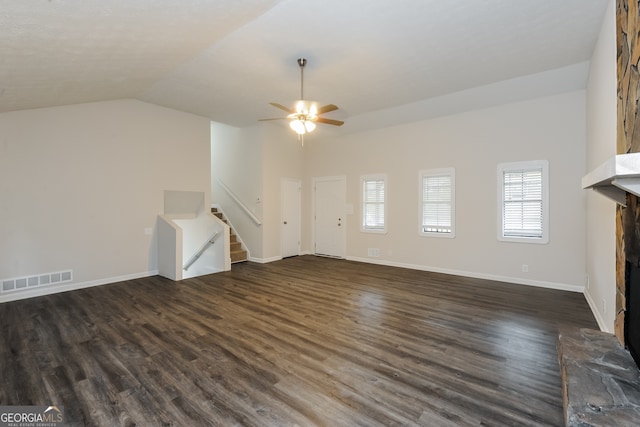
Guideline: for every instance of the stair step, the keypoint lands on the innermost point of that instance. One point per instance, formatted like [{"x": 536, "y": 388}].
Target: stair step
[
  {"x": 238, "y": 256},
  {"x": 236, "y": 252}
]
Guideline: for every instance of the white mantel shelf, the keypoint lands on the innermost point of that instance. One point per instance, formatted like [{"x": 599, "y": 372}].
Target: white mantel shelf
[{"x": 616, "y": 177}]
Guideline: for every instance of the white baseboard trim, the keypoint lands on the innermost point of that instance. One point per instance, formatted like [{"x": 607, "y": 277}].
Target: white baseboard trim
[
  {"x": 65, "y": 287},
  {"x": 275, "y": 258},
  {"x": 592, "y": 304},
  {"x": 516, "y": 280},
  {"x": 265, "y": 260}
]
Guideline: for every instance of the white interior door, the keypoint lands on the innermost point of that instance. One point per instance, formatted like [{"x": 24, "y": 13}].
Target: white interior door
[
  {"x": 329, "y": 214},
  {"x": 291, "y": 217}
]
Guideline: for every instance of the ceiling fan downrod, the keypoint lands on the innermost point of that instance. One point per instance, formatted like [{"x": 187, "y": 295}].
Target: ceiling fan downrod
[{"x": 302, "y": 62}]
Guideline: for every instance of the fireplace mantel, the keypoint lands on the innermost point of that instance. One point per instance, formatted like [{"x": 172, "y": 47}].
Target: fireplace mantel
[{"x": 616, "y": 177}]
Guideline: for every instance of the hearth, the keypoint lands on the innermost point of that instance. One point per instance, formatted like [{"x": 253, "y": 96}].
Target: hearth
[{"x": 599, "y": 380}]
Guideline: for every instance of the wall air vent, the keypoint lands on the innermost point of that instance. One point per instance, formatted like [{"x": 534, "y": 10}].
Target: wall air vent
[{"x": 39, "y": 280}]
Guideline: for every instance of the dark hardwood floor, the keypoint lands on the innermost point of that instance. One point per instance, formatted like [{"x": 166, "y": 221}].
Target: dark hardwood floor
[{"x": 302, "y": 341}]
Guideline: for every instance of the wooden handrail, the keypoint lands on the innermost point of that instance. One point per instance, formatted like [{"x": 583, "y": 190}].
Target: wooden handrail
[
  {"x": 203, "y": 248},
  {"x": 239, "y": 202}
]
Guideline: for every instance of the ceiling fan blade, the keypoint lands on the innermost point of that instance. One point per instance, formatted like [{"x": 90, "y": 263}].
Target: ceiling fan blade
[
  {"x": 282, "y": 107},
  {"x": 329, "y": 121},
  {"x": 327, "y": 108},
  {"x": 276, "y": 118}
]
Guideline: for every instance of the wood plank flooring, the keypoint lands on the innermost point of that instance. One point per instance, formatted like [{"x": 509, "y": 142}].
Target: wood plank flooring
[{"x": 304, "y": 341}]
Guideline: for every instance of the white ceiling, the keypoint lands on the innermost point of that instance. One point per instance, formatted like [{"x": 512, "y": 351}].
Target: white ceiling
[{"x": 227, "y": 59}]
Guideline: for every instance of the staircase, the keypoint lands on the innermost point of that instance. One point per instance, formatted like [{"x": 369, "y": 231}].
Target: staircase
[{"x": 238, "y": 254}]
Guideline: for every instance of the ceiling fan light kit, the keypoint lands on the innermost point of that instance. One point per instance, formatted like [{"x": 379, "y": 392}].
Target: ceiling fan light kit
[
  {"x": 302, "y": 126},
  {"x": 302, "y": 121},
  {"x": 304, "y": 116},
  {"x": 297, "y": 126}
]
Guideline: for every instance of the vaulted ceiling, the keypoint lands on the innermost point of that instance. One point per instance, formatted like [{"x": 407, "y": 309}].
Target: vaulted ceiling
[{"x": 227, "y": 59}]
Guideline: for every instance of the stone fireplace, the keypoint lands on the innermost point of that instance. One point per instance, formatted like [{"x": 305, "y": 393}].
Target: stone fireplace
[
  {"x": 619, "y": 179},
  {"x": 601, "y": 380},
  {"x": 628, "y": 141}
]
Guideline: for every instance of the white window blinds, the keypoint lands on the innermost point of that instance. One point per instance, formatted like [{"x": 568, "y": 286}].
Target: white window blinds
[
  {"x": 373, "y": 204},
  {"x": 437, "y": 195},
  {"x": 522, "y": 208},
  {"x": 524, "y": 201}
]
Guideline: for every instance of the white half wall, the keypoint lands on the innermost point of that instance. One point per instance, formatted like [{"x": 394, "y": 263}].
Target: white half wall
[
  {"x": 601, "y": 145},
  {"x": 82, "y": 186},
  {"x": 474, "y": 143}
]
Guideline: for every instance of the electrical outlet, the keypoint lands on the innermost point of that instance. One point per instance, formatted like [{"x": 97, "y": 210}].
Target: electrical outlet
[{"x": 525, "y": 268}]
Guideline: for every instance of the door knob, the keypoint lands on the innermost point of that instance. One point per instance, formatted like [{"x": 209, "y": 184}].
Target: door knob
[{"x": 285, "y": 223}]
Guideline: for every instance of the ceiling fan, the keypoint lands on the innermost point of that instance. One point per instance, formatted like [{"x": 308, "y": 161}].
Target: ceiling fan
[{"x": 305, "y": 114}]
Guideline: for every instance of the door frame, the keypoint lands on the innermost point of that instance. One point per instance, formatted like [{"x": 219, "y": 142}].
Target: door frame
[{"x": 315, "y": 180}]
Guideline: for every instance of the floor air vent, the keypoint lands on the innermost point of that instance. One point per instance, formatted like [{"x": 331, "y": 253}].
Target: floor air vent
[{"x": 48, "y": 279}]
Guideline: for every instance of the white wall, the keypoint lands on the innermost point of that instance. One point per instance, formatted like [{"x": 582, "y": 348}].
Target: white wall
[
  {"x": 80, "y": 184},
  {"x": 551, "y": 128},
  {"x": 601, "y": 145}
]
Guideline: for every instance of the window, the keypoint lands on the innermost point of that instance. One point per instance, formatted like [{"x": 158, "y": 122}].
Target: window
[
  {"x": 437, "y": 207},
  {"x": 374, "y": 189},
  {"x": 524, "y": 201}
]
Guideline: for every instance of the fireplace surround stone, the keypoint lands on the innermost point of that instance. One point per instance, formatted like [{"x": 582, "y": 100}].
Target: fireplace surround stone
[{"x": 600, "y": 380}]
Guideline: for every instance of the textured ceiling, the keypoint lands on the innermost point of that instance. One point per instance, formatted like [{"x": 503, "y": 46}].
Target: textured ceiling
[{"x": 227, "y": 59}]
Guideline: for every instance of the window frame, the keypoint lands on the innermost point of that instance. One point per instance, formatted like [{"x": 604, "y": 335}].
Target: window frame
[
  {"x": 437, "y": 173},
  {"x": 363, "y": 180},
  {"x": 543, "y": 166}
]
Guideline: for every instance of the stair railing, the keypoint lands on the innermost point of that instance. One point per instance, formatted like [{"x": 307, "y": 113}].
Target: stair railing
[
  {"x": 210, "y": 241},
  {"x": 239, "y": 203},
  {"x": 225, "y": 220}
]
